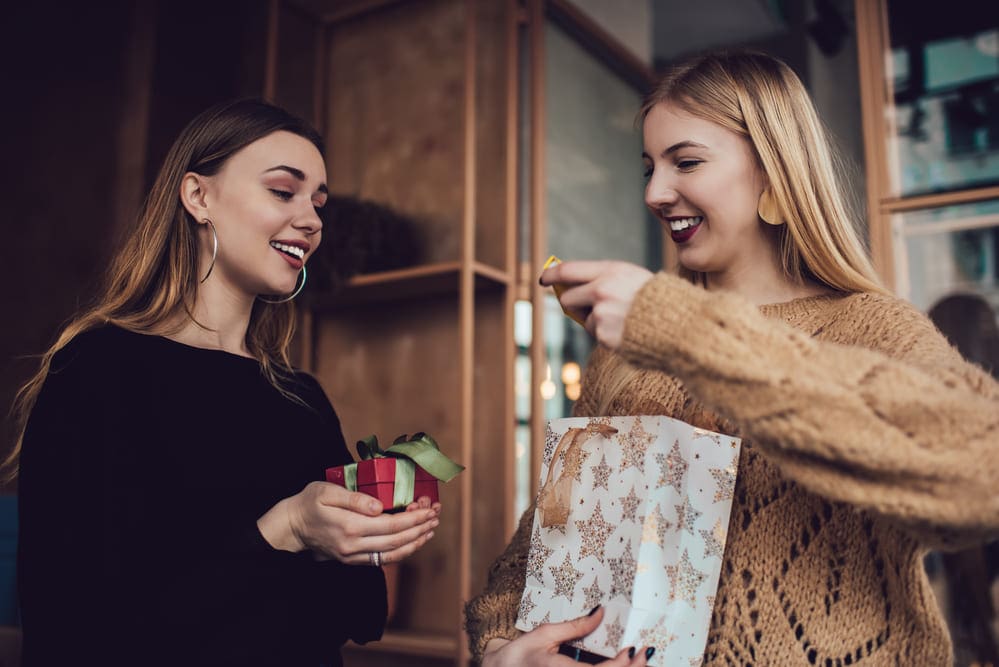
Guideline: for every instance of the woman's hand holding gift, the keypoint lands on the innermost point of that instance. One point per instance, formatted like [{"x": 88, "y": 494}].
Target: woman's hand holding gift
[{"x": 348, "y": 526}]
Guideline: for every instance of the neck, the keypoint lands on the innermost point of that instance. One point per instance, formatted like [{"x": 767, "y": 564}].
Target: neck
[
  {"x": 221, "y": 320},
  {"x": 762, "y": 285}
]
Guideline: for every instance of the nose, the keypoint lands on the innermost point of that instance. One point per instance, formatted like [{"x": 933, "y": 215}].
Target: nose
[
  {"x": 660, "y": 193},
  {"x": 309, "y": 221}
]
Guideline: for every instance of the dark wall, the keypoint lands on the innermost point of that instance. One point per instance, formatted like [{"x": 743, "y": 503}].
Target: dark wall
[{"x": 71, "y": 85}]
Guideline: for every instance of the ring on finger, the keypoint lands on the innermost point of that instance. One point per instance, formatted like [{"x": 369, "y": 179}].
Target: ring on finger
[{"x": 375, "y": 558}]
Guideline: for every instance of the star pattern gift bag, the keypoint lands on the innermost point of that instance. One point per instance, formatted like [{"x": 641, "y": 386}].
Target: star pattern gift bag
[{"x": 632, "y": 514}]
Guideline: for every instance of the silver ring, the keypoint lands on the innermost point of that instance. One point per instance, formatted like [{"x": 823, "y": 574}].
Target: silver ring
[{"x": 375, "y": 558}]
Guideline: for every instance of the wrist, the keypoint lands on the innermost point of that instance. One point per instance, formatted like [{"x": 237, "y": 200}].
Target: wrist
[{"x": 276, "y": 527}]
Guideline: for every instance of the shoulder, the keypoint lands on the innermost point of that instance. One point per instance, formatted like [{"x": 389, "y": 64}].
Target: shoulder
[
  {"x": 891, "y": 325},
  {"x": 99, "y": 347},
  {"x": 308, "y": 388}
]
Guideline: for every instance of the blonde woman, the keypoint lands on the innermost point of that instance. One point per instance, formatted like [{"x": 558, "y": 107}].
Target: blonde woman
[
  {"x": 867, "y": 438},
  {"x": 169, "y": 511}
]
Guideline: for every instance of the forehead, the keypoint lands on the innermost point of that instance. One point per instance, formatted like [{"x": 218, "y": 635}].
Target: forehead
[
  {"x": 280, "y": 148},
  {"x": 667, "y": 124}
]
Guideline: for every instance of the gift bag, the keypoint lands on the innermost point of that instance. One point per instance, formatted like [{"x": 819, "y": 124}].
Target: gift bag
[{"x": 632, "y": 514}]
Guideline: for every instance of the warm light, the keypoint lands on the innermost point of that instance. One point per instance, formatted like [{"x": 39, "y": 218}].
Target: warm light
[
  {"x": 548, "y": 387},
  {"x": 572, "y": 391},
  {"x": 520, "y": 450},
  {"x": 570, "y": 373}
]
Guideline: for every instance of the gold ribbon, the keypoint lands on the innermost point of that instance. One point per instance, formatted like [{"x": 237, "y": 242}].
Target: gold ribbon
[{"x": 554, "y": 499}]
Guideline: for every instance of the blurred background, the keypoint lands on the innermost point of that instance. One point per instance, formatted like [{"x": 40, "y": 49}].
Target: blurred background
[{"x": 466, "y": 141}]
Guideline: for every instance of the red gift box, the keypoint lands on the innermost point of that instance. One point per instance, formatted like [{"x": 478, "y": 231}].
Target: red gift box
[{"x": 376, "y": 477}]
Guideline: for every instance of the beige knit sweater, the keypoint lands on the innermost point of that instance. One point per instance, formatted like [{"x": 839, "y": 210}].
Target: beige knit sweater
[{"x": 866, "y": 439}]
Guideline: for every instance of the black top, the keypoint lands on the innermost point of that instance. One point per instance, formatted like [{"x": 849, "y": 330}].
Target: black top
[{"x": 145, "y": 467}]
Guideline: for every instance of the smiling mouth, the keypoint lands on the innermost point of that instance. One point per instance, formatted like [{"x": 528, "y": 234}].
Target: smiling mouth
[
  {"x": 290, "y": 250},
  {"x": 681, "y": 224}
]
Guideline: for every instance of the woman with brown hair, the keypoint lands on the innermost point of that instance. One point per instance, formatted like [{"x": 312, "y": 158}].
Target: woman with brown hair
[
  {"x": 866, "y": 438},
  {"x": 170, "y": 511}
]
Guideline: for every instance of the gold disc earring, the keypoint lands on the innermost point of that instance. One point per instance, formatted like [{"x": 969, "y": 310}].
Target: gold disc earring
[{"x": 768, "y": 210}]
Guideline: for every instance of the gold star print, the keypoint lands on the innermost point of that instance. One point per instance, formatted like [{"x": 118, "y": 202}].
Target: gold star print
[
  {"x": 622, "y": 572},
  {"x": 538, "y": 555},
  {"x": 615, "y": 633},
  {"x": 672, "y": 468},
  {"x": 526, "y": 606},
  {"x": 686, "y": 515},
  {"x": 574, "y": 458},
  {"x": 714, "y": 540},
  {"x": 547, "y": 618},
  {"x": 634, "y": 445},
  {"x": 725, "y": 479},
  {"x": 550, "y": 441},
  {"x": 657, "y": 635},
  {"x": 594, "y": 533},
  {"x": 710, "y": 435},
  {"x": 654, "y": 527},
  {"x": 684, "y": 579},
  {"x": 629, "y": 505},
  {"x": 566, "y": 578},
  {"x": 594, "y": 595},
  {"x": 601, "y": 473},
  {"x": 600, "y": 426}
]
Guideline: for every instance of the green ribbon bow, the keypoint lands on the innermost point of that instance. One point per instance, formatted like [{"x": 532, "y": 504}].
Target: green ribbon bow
[{"x": 420, "y": 450}]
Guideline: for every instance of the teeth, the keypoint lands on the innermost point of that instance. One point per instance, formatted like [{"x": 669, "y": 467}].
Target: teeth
[
  {"x": 684, "y": 223},
  {"x": 290, "y": 249}
]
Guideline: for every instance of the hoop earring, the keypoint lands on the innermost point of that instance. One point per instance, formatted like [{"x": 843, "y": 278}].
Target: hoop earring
[
  {"x": 767, "y": 209},
  {"x": 215, "y": 248},
  {"x": 293, "y": 294}
]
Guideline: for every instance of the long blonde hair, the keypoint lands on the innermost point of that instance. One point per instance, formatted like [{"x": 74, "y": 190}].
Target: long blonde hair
[
  {"x": 760, "y": 98},
  {"x": 153, "y": 277}
]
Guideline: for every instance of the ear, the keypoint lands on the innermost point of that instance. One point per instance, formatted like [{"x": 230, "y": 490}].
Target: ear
[{"x": 193, "y": 193}]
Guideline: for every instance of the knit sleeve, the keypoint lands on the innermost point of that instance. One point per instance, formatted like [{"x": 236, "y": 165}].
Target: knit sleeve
[
  {"x": 493, "y": 613},
  {"x": 897, "y": 424}
]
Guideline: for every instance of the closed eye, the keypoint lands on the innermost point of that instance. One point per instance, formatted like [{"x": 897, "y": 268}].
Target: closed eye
[
  {"x": 688, "y": 165},
  {"x": 283, "y": 195}
]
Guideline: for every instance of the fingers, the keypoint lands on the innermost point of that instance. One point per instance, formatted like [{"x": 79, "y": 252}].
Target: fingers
[
  {"x": 574, "y": 272},
  {"x": 407, "y": 550},
  {"x": 559, "y": 633},
  {"x": 423, "y": 502},
  {"x": 622, "y": 659},
  {"x": 387, "y": 543},
  {"x": 334, "y": 495},
  {"x": 630, "y": 657}
]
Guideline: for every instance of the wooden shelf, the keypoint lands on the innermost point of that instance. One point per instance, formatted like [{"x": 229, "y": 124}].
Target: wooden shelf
[
  {"x": 411, "y": 643},
  {"x": 421, "y": 281}
]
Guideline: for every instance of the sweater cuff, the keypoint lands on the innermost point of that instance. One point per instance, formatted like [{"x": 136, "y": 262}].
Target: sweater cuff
[
  {"x": 492, "y": 617},
  {"x": 664, "y": 309}
]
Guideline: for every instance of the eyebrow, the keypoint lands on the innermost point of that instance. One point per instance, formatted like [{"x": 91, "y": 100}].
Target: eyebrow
[
  {"x": 676, "y": 147},
  {"x": 298, "y": 174}
]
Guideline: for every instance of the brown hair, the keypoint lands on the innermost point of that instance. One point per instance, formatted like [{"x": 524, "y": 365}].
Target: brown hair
[{"x": 153, "y": 277}]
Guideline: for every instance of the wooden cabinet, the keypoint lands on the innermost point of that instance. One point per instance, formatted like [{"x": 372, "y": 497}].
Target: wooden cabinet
[{"x": 416, "y": 103}]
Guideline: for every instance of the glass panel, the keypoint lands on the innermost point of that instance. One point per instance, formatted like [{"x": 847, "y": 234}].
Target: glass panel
[
  {"x": 593, "y": 149},
  {"x": 595, "y": 191},
  {"x": 945, "y": 76},
  {"x": 949, "y": 250},
  {"x": 595, "y": 210}
]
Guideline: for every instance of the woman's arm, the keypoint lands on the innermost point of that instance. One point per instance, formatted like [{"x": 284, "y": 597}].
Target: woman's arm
[{"x": 895, "y": 423}]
